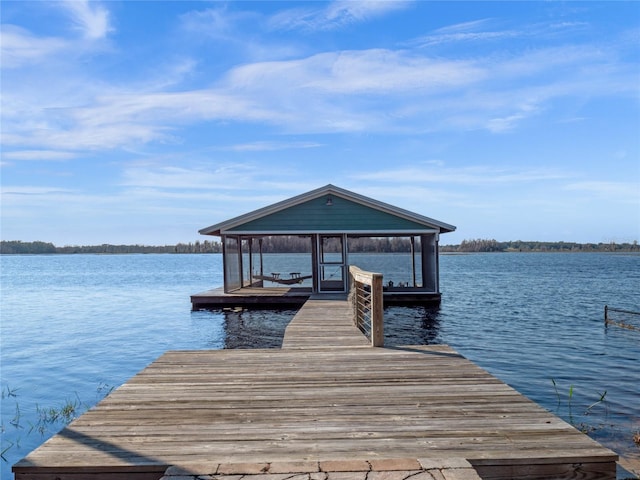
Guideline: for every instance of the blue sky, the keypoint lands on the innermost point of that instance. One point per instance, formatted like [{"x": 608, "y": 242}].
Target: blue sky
[{"x": 142, "y": 122}]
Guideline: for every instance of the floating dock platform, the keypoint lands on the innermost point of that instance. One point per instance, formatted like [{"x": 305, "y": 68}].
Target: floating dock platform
[
  {"x": 263, "y": 297},
  {"x": 326, "y": 406},
  {"x": 292, "y": 297}
]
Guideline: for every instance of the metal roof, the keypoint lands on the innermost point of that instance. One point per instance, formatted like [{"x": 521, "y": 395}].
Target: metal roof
[{"x": 409, "y": 221}]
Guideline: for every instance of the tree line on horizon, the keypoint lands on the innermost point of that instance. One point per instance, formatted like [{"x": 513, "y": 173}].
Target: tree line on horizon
[
  {"x": 17, "y": 247},
  {"x": 484, "y": 245},
  {"x": 294, "y": 244}
]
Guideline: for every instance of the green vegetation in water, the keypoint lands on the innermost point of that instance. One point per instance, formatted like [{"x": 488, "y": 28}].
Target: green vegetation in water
[
  {"x": 584, "y": 427},
  {"x": 65, "y": 414},
  {"x": 48, "y": 418}
]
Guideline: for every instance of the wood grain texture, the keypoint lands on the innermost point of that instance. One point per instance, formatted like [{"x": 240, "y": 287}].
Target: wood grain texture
[
  {"x": 324, "y": 322},
  {"x": 343, "y": 400}
]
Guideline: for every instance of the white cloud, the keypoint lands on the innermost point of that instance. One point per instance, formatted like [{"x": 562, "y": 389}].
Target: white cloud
[
  {"x": 240, "y": 32},
  {"x": 336, "y": 15},
  {"x": 627, "y": 192},
  {"x": 373, "y": 90},
  {"x": 116, "y": 120},
  {"x": 78, "y": 137},
  {"x": 360, "y": 72},
  {"x": 171, "y": 74},
  {"x": 238, "y": 187},
  {"x": 55, "y": 155},
  {"x": 464, "y": 26},
  {"x": 503, "y": 124},
  {"x": 22, "y": 201},
  {"x": 272, "y": 146},
  {"x": 19, "y": 47},
  {"x": 469, "y": 176},
  {"x": 347, "y": 11},
  {"x": 479, "y": 31},
  {"x": 90, "y": 18},
  {"x": 464, "y": 32},
  {"x": 28, "y": 190},
  {"x": 169, "y": 177},
  {"x": 217, "y": 23}
]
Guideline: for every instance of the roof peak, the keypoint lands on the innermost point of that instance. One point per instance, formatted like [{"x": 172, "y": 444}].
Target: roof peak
[{"x": 218, "y": 228}]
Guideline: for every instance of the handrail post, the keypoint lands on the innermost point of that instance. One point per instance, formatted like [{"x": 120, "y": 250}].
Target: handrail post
[
  {"x": 372, "y": 302},
  {"x": 353, "y": 295},
  {"x": 377, "y": 311}
]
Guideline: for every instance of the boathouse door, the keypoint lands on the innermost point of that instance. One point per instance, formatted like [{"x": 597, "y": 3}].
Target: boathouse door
[{"x": 332, "y": 275}]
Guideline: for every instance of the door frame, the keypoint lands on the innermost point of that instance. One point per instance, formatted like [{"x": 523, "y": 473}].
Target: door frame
[{"x": 336, "y": 286}]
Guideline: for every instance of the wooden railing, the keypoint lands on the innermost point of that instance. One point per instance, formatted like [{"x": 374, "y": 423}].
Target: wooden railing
[{"x": 366, "y": 297}]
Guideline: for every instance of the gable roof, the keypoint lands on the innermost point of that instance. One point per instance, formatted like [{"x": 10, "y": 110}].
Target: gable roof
[{"x": 338, "y": 210}]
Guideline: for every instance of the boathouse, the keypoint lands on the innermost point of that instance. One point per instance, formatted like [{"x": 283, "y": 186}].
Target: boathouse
[{"x": 321, "y": 233}]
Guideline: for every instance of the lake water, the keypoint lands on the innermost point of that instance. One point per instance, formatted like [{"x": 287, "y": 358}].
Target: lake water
[{"x": 75, "y": 326}]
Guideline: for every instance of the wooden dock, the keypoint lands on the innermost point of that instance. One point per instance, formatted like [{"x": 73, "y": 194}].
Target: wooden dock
[
  {"x": 335, "y": 330},
  {"x": 324, "y": 397},
  {"x": 289, "y": 297},
  {"x": 263, "y": 297}
]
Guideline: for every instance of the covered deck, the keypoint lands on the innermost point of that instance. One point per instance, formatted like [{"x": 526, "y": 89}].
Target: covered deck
[{"x": 307, "y": 243}]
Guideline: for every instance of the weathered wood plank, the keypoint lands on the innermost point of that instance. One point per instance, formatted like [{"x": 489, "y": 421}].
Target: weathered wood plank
[
  {"x": 301, "y": 403},
  {"x": 327, "y": 323},
  {"x": 323, "y": 403}
]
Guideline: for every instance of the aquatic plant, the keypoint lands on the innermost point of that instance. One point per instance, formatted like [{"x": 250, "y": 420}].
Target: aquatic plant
[
  {"x": 569, "y": 399},
  {"x": 48, "y": 418},
  {"x": 65, "y": 414},
  {"x": 600, "y": 400},
  {"x": 7, "y": 392},
  {"x": 15, "y": 421},
  {"x": 103, "y": 390},
  {"x": 555, "y": 387},
  {"x": 5, "y": 450},
  {"x": 584, "y": 427}
]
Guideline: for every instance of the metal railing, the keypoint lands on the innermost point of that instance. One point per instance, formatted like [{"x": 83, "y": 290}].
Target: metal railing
[
  {"x": 365, "y": 295},
  {"x": 621, "y": 318}
]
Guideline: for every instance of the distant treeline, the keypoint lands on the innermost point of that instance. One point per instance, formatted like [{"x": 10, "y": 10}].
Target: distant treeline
[
  {"x": 484, "y": 245},
  {"x": 302, "y": 244},
  {"x": 18, "y": 247},
  {"x": 295, "y": 244}
]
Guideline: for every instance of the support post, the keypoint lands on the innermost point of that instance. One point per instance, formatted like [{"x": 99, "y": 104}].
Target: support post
[
  {"x": 377, "y": 311},
  {"x": 368, "y": 303}
]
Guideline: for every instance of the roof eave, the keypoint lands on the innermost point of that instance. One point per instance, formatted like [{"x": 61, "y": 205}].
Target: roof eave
[
  {"x": 329, "y": 189},
  {"x": 264, "y": 211},
  {"x": 393, "y": 210}
]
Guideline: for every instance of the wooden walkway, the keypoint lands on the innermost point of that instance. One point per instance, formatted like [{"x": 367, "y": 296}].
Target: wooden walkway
[
  {"x": 336, "y": 329},
  {"x": 202, "y": 410}
]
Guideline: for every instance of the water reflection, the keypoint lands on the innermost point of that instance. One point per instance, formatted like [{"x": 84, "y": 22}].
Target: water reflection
[
  {"x": 254, "y": 328},
  {"x": 246, "y": 328},
  {"x": 412, "y": 325}
]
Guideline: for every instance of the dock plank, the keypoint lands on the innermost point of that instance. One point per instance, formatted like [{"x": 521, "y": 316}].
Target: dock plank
[
  {"x": 328, "y": 403},
  {"x": 324, "y": 323},
  {"x": 326, "y": 395}
]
